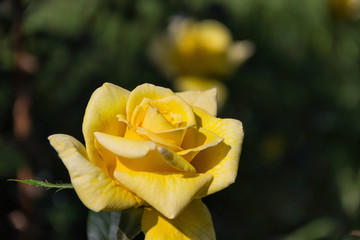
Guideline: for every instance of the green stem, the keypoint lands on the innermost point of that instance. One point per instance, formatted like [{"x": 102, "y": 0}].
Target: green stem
[{"x": 45, "y": 184}]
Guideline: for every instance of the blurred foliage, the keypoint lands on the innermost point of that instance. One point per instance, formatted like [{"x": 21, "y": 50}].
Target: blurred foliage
[{"x": 298, "y": 98}]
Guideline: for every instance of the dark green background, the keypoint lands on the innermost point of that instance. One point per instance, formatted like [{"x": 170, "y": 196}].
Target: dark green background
[{"x": 298, "y": 98}]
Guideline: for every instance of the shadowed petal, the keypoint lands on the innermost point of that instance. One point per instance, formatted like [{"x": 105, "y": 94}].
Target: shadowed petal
[
  {"x": 193, "y": 224},
  {"x": 174, "y": 136},
  {"x": 175, "y": 160},
  {"x": 93, "y": 186},
  {"x": 205, "y": 139},
  {"x": 169, "y": 193},
  {"x": 221, "y": 161}
]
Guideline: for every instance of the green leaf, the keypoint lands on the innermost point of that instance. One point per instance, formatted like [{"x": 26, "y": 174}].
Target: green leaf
[
  {"x": 45, "y": 184},
  {"x": 102, "y": 225},
  {"x": 121, "y": 225},
  {"x": 130, "y": 223}
]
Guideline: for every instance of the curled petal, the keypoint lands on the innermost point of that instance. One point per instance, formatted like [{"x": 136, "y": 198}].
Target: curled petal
[
  {"x": 145, "y": 91},
  {"x": 139, "y": 113},
  {"x": 174, "y": 136},
  {"x": 162, "y": 114},
  {"x": 105, "y": 103},
  {"x": 93, "y": 186},
  {"x": 130, "y": 133},
  {"x": 139, "y": 155},
  {"x": 157, "y": 138},
  {"x": 175, "y": 104},
  {"x": 128, "y": 148},
  {"x": 221, "y": 161},
  {"x": 205, "y": 139},
  {"x": 194, "y": 223},
  {"x": 168, "y": 193},
  {"x": 122, "y": 118},
  {"x": 155, "y": 121},
  {"x": 175, "y": 160}
]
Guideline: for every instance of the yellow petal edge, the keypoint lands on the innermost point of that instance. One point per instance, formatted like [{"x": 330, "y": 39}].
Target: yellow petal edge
[{"x": 93, "y": 186}]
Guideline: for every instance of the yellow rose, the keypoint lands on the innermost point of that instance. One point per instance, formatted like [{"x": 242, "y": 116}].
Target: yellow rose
[
  {"x": 153, "y": 148},
  {"x": 203, "y": 48}
]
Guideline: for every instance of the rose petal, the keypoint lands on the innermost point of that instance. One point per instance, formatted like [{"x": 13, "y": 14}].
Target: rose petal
[
  {"x": 100, "y": 116},
  {"x": 222, "y": 160},
  {"x": 213, "y": 35},
  {"x": 175, "y": 104},
  {"x": 139, "y": 113},
  {"x": 239, "y": 52},
  {"x": 108, "y": 158},
  {"x": 130, "y": 132},
  {"x": 93, "y": 186},
  {"x": 155, "y": 121},
  {"x": 194, "y": 223},
  {"x": 199, "y": 83},
  {"x": 190, "y": 138},
  {"x": 122, "y": 118},
  {"x": 169, "y": 193},
  {"x": 205, "y": 139},
  {"x": 175, "y": 160},
  {"x": 128, "y": 148},
  {"x": 138, "y": 155},
  {"x": 163, "y": 121},
  {"x": 202, "y": 99},
  {"x": 145, "y": 91},
  {"x": 173, "y": 136},
  {"x": 158, "y": 139}
]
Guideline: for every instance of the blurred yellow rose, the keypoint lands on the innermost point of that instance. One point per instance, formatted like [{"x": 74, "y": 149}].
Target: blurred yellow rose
[
  {"x": 187, "y": 83},
  {"x": 203, "y": 48},
  {"x": 153, "y": 148},
  {"x": 345, "y": 9}
]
